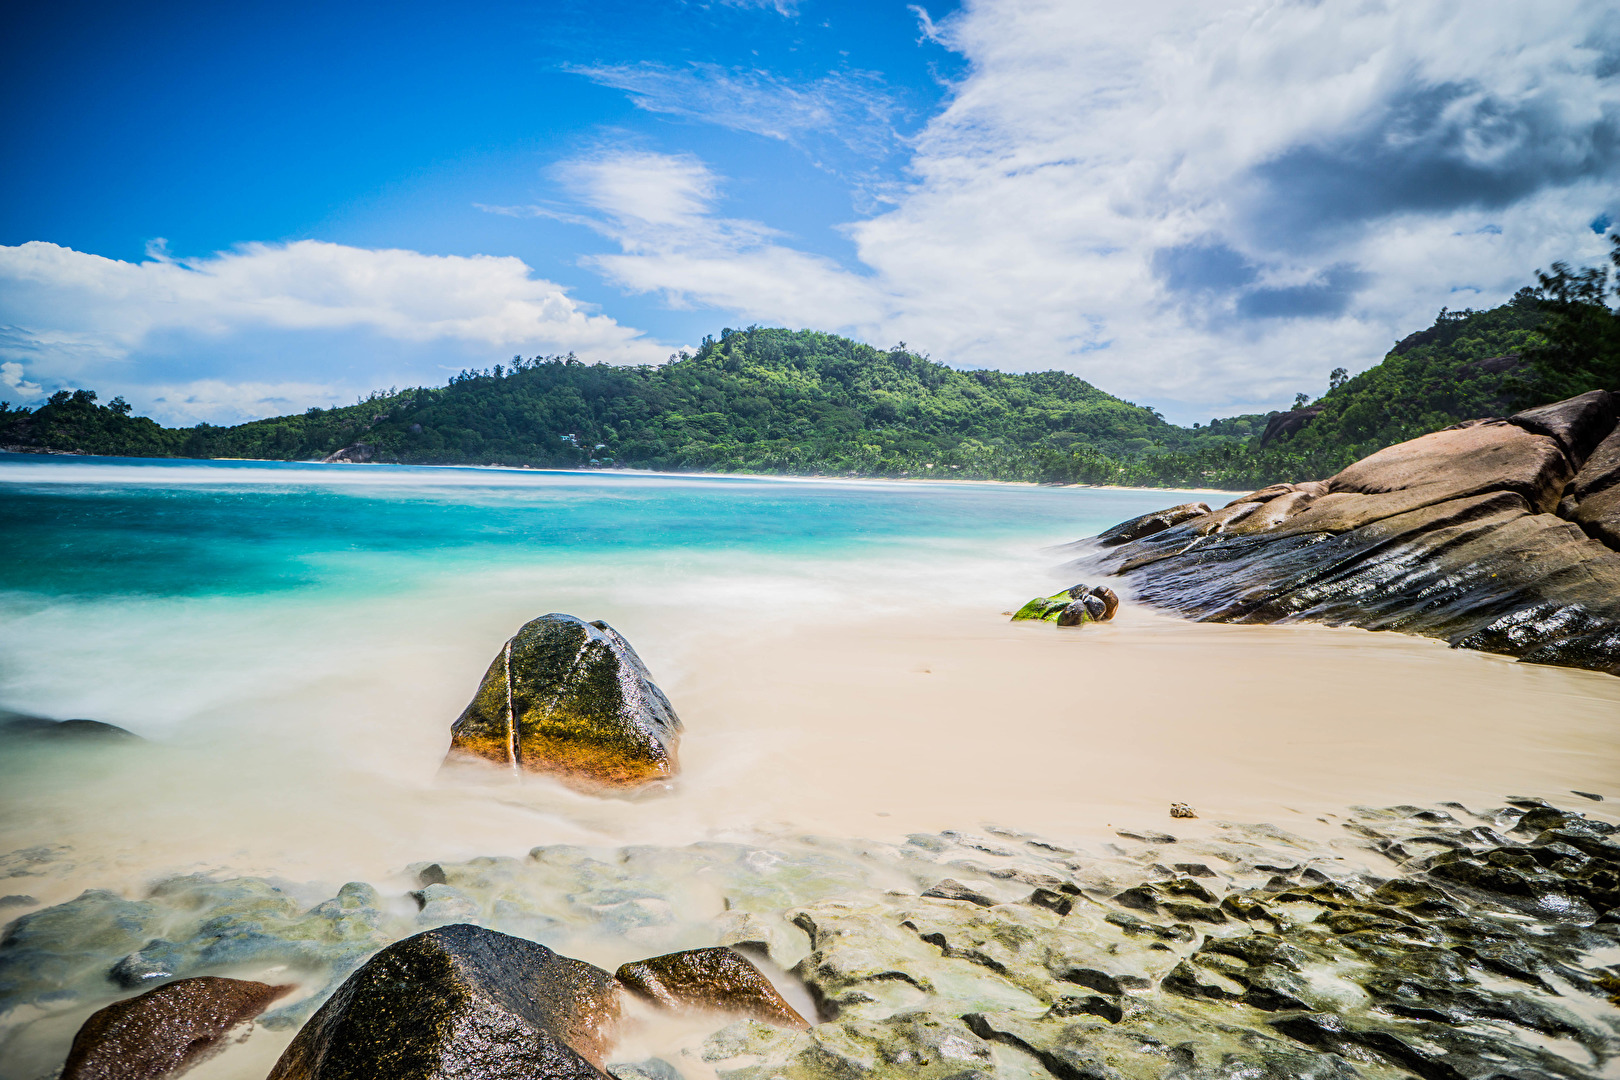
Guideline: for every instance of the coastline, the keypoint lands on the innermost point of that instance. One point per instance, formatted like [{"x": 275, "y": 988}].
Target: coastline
[
  {"x": 795, "y": 478},
  {"x": 865, "y": 749}
]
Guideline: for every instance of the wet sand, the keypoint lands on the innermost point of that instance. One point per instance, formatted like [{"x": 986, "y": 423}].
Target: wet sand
[{"x": 876, "y": 724}]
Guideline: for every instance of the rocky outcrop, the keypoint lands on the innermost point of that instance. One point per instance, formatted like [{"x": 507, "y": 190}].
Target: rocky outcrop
[
  {"x": 1074, "y": 606},
  {"x": 354, "y": 454},
  {"x": 573, "y": 699},
  {"x": 460, "y": 1001},
  {"x": 164, "y": 1030},
  {"x": 1416, "y": 940},
  {"x": 1283, "y": 424},
  {"x": 712, "y": 980},
  {"x": 1501, "y": 535}
]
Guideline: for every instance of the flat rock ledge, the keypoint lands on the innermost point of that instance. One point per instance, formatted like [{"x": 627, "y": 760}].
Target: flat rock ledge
[
  {"x": 1432, "y": 941},
  {"x": 1501, "y": 535}
]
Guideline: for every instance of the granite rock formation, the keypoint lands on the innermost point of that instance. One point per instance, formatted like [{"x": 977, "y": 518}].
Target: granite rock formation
[
  {"x": 164, "y": 1030},
  {"x": 460, "y": 1001},
  {"x": 572, "y": 698},
  {"x": 713, "y": 980},
  {"x": 1430, "y": 941},
  {"x": 1501, "y": 535}
]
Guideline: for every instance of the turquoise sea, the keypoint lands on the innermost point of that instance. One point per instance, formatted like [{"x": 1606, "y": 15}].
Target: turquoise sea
[
  {"x": 109, "y": 557},
  {"x": 98, "y": 527}
]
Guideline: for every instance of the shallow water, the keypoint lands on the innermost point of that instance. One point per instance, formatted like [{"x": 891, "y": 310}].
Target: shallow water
[{"x": 295, "y": 641}]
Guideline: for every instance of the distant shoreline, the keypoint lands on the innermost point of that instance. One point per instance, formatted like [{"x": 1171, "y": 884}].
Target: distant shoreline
[{"x": 642, "y": 472}]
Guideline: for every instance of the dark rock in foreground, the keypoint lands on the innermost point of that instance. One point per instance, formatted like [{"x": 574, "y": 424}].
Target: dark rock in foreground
[
  {"x": 1501, "y": 535},
  {"x": 460, "y": 1001},
  {"x": 166, "y": 1029},
  {"x": 716, "y": 980},
  {"x": 573, "y": 699}
]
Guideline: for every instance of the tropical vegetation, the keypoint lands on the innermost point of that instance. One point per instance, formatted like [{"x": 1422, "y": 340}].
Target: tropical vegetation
[{"x": 767, "y": 400}]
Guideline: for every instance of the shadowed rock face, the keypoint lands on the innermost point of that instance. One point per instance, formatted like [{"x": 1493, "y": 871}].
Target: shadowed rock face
[
  {"x": 572, "y": 698},
  {"x": 460, "y": 1001},
  {"x": 162, "y": 1030},
  {"x": 717, "y": 980},
  {"x": 1500, "y": 535}
]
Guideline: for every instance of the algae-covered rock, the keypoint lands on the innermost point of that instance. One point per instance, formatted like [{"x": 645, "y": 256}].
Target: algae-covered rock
[
  {"x": 1072, "y": 607},
  {"x": 460, "y": 1001},
  {"x": 714, "y": 979},
  {"x": 48, "y": 954},
  {"x": 166, "y": 1029},
  {"x": 573, "y": 699}
]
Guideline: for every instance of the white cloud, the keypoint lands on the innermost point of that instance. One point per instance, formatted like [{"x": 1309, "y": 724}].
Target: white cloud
[
  {"x": 659, "y": 209},
  {"x": 785, "y": 8},
  {"x": 11, "y": 374},
  {"x": 1196, "y": 204},
  {"x": 283, "y": 325},
  {"x": 850, "y": 107}
]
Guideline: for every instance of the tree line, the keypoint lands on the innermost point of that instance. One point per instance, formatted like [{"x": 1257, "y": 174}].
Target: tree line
[{"x": 771, "y": 400}]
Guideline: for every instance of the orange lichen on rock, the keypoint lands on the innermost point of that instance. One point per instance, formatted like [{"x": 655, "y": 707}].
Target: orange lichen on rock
[{"x": 573, "y": 699}]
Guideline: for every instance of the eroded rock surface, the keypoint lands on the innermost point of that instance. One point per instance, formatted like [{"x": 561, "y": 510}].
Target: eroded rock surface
[
  {"x": 1501, "y": 535},
  {"x": 460, "y": 1001},
  {"x": 165, "y": 1029},
  {"x": 714, "y": 979},
  {"x": 1429, "y": 941},
  {"x": 571, "y": 698}
]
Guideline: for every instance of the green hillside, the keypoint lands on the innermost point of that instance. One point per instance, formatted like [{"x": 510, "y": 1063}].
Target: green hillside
[
  {"x": 805, "y": 402},
  {"x": 759, "y": 400}
]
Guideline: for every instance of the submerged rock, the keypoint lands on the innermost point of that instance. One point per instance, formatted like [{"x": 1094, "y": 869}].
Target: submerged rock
[
  {"x": 17, "y": 725},
  {"x": 460, "y": 1001},
  {"x": 716, "y": 979},
  {"x": 164, "y": 1030},
  {"x": 573, "y": 699},
  {"x": 1501, "y": 535}
]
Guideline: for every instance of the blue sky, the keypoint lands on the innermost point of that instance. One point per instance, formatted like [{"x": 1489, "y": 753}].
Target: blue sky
[{"x": 225, "y": 211}]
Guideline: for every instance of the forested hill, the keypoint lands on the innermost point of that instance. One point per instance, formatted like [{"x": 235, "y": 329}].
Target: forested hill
[
  {"x": 803, "y": 402},
  {"x": 752, "y": 400}
]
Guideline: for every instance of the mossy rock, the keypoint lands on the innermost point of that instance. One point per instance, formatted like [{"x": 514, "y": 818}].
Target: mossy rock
[
  {"x": 1074, "y": 606},
  {"x": 572, "y": 698},
  {"x": 460, "y": 1001}
]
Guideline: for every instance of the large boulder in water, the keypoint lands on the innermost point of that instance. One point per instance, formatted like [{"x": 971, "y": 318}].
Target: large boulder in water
[
  {"x": 164, "y": 1030},
  {"x": 572, "y": 698},
  {"x": 1501, "y": 535},
  {"x": 713, "y": 979},
  {"x": 460, "y": 1001}
]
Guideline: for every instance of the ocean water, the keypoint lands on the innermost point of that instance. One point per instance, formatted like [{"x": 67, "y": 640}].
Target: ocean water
[{"x": 146, "y": 593}]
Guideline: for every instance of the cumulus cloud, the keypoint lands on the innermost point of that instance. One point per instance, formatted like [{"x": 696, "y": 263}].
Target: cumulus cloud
[
  {"x": 1203, "y": 205},
  {"x": 271, "y": 327}
]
